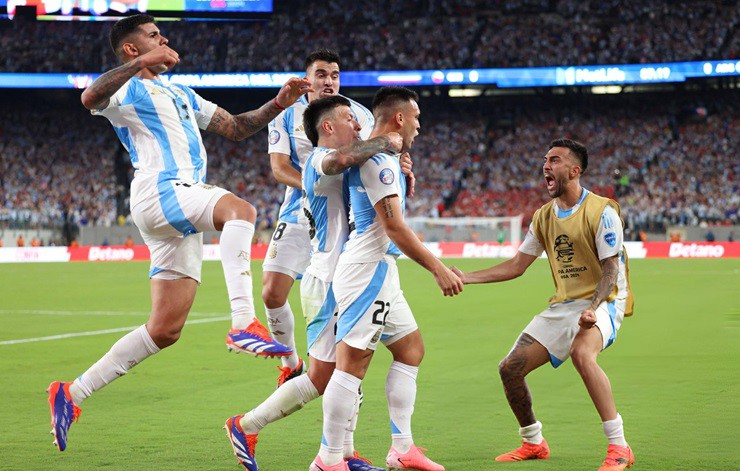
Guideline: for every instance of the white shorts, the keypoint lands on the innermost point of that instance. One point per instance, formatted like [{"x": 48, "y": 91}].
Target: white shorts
[
  {"x": 371, "y": 304},
  {"x": 289, "y": 251},
  {"x": 556, "y": 327},
  {"x": 170, "y": 221},
  {"x": 320, "y": 312}
]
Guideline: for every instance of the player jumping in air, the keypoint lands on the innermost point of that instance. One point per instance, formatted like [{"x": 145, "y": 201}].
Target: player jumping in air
[
  {"x": 581, "y": 233},
  {"x": 159, "y": 123}
]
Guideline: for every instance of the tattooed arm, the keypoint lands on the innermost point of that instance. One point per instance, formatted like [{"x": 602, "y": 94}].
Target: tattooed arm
[
  {"x": 243, "y": 125},
  {"x": 389, "y": 212},
  {"x": 97, "y": 96},
  {"x": 358, "y": 152},
  {"x": 610, "y": 272}
]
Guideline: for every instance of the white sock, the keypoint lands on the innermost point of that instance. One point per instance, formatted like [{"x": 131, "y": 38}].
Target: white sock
[
  {"x": 282, "y": 324},
  {"x": 532, "y": 433},
  {"x": 400, "y": 390},
  {"x": 286, "y": 399},
  {"x": 349, "y": 434},
  {"x": 130, "y": 350},
  {"x": 614, "y": 431},
  {"x": 340, "y": 402},
  {"x": 236, "y": 255}
]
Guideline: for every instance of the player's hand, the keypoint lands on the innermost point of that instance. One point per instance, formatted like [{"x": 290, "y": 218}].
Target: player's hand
[
  {"x": 448, "y": 282},
  {"x": 293, "y": 89},
  {"x": 406, "y": 165},
  {"x": 395, "y": 144},
  {"x": 160, "y": 58},
  {"x": 459, "y": 274},
  {"x": 588, "y": 319}
]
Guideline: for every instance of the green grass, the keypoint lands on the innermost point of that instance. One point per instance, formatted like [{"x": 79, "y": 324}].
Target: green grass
[{"x": 674, "y": 370}]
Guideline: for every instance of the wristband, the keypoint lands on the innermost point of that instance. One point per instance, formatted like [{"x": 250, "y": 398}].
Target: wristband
[{"x": 277, "y": 105}]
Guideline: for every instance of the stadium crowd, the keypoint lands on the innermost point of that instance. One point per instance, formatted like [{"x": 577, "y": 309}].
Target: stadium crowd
[
  {"x": 662, "y": 171},
  {"x": 420, "y": 34}
]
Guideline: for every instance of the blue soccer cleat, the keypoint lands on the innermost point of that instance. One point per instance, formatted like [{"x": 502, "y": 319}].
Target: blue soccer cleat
[
  {"x": 358, "y": 463},
  {"x": 242, "y": 443},
  {"x": 256, "y": 340},
  {"x": 63, "y": 412}
]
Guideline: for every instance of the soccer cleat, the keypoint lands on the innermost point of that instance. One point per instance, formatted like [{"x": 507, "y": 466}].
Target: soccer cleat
[
  {"x": 286, "y": 374},
  {"x": 413, "y": 459},
  {"x": 528, "y": 451},
  {"x": 242, "y": 443},
  {"x": 63, "y": 412},
  {"x": 358, "y": 463},
  {"x": 256, "y": 340},
  {"x": 618, "y": 457},
  {"x": 318, "y": 465}
]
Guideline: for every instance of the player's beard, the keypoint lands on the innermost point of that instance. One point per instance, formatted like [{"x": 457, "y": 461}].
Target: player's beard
[{"x": 557, "y": 189}]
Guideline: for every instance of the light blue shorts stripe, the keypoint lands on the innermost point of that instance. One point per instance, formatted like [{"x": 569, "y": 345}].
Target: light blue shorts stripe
[
  {"x": 359, "y": 307},
  {"x": 319, "y": 323}
]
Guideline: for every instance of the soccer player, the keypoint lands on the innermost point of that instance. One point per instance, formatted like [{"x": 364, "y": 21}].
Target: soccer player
[
  {"x": 289, "y": 250},
  {"x": 171, "y": 204},
  {"x": 368, "y": 294},
  {"x": 332, "y": 128},
  {"x": 581, "y": 233}
]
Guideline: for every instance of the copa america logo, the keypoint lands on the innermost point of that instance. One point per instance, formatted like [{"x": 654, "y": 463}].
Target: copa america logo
[
  {"x": 274, "y": 136},
  {"x": 386, "y": 176}
]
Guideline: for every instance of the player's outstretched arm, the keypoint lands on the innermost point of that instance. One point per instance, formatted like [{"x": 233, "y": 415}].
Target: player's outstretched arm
[
  {"x": 97, "y": 95},
  {"x": 358, "y": 152},
  {"x": 609, "y": 274},
  {"x": 241, "y": 126},
  {"x": 389, "y": 212},
  {"x": 508, "y": 270}
]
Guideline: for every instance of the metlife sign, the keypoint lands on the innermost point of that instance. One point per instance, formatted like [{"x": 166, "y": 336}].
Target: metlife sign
[{"x": 502, "y": 78}]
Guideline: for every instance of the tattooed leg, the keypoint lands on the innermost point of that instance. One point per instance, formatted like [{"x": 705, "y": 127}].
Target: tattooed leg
[{"x": 527, "y": 355}]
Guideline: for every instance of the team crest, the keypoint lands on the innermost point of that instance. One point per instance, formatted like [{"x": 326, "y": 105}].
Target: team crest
[
  {"x": 376, "y": 337},
  {"x": 274, "y": 137},
  {"x": 272, "y": 251},
  {"x": 564, "y": 248},
  {"x": 386, "y": 176}
]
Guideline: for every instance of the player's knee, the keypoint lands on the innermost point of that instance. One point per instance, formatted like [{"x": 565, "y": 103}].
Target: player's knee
[
  {"x": 246, "y": 212},
  {"x": 508, "y": 368},
  {"x": 319, "y": 380},
  {"x": 581, "y": 357},
  {"x": 273, "y": 297}
]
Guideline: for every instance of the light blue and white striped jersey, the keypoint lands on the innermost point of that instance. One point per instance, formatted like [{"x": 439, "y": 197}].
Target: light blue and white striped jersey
[
  {"x": 327, "y": 203},
  {"x": 287, "y": 136},
  {"x": 377, "y": 178},
  {"x": 158, "y": 125}
]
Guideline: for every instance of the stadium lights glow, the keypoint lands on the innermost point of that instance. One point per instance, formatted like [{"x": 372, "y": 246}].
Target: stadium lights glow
[
  {"x": 606, "y": 90},
  {"x": 464, "y": 92}
]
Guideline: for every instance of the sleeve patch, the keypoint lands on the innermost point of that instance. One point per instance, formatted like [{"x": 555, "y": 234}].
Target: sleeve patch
[
  {"x": 387, "y": 177},
  {"x": 274, "y": 137},
  {"x": 610, "y": 238}
]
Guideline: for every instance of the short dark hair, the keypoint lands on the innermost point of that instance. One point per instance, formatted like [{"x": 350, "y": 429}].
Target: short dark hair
[
  {"x": 126, "y": 26},
  {"x": 576, "y": 148},
  {"x": 315, "y": 112},
  {"x": 326, "y": 55},
  {"x": 392, "y": 96}
]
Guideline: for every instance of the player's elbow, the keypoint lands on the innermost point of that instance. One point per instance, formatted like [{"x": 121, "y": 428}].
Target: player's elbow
[{"x": 87, "y": 100}]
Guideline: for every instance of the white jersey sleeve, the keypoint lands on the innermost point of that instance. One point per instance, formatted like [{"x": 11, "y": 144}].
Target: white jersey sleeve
[
  {"x": 531, "y": 244},
  {"x": 317, "y": 161},
  {"x": 112, "y": 111},
  {"x": 609, "y": 235},
  {"x": 278, "y": 135},
  {"x": 380, "y": 177},
  {"x": 365, "y": 119}
]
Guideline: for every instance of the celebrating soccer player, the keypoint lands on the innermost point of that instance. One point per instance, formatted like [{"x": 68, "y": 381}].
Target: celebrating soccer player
[
  {"x": 171, "y": 204},
  {"x": 290, "y": 248},
  {"x": 369, "y": 299},
  {"x": 581, "y": 233},
  {"x": 331, "y": 126}
]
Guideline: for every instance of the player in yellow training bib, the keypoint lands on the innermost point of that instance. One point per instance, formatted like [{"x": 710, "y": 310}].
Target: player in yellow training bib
[{"x": 581, "y": 233}]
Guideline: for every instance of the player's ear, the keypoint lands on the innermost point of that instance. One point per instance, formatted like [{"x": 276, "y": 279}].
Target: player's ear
[
  {"x": 327, "y": 126},
  {"x": 130, "y": 50},
  {"x": 399, "y": 119}
]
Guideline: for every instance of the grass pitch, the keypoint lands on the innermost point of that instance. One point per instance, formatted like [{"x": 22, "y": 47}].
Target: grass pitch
[{"x": 674, "y": 371}]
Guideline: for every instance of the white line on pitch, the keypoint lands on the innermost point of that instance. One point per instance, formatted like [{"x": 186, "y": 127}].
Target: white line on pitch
[
  {"x": 93, "y": 313},
  {"x": 99, "y": 332}
]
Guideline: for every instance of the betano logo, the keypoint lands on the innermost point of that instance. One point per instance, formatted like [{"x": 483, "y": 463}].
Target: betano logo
[
  {"x": 680, "y": 250},
  {"x": 98, "y": 254}
]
